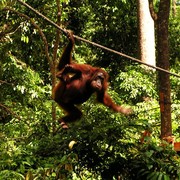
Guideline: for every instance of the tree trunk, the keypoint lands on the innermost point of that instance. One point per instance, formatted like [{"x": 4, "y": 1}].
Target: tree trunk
[
  {"x": 163, "y": 62},
  {"x": 146, "y": 33}
]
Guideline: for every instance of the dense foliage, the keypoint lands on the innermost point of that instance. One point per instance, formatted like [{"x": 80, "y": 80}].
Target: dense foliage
[{"x": 102, "y": 145}]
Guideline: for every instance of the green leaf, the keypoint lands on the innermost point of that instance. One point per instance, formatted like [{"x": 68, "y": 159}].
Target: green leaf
[
  {"x": 170, "y": 168},
  {"x": 149, "y": 153},
  {"x": 153, "y": 176},
  {"x": 166, "y": 177},
  {"x": 53, "y": 174},
  {"x": 160, "y": 176}
]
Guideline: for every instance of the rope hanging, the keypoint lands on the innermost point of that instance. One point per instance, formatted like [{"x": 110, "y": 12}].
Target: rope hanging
[{"x": 95, "y": 44}]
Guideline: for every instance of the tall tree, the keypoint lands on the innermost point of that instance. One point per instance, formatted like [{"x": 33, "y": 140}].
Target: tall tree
[
  {"x": 146, "y": 33},
  {"x": 162, "y": 19}
]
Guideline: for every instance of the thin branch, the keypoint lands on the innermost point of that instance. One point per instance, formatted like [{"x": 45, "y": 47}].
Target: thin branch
[
  {"x": 5, "y": 82},
  {"x": 38, "y": 28},
  {"x": 58, "y": 32},
  {"x": 8, "y": 32},
  {"x": 152, "y": 11},
  {"x": 7, "y": 109},
  {"x": 19, "y": 62},
  {"x": 53, "y": 69},
  {"x": 44, "y": 17}
]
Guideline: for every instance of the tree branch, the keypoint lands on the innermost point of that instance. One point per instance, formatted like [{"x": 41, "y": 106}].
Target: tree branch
[
  {"x": 56, "y": 45},
  {"x": 10, "y": 111},
  {"x": 152, "y": 11},
  {"x": 6, "y": 31},
  {"x": 5, "y": 82},
  {"x": 38, "y": 28},
  {"x": 58, "y": 32}
]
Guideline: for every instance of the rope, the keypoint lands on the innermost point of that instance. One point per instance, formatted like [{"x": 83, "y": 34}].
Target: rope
[{"x": 95, "y": 44}]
